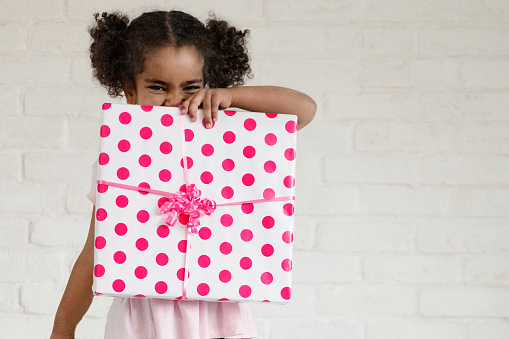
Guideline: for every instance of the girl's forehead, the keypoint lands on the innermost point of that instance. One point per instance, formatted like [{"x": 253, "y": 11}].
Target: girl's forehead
[{"x": 174, "y": 62}]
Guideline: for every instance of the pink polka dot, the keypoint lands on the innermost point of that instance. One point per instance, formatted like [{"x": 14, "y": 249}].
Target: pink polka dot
[
  {"x": 250, "y": 124},
  {"x": 246, "y": 235},
  {"x": 184, "y": 219},
  {"x": 287, "y": 237},
  {"x": 146, "y": 108},
  {"x": 291, "y": 126},
  {"x": 270, "y": 139},
  {"x": 230, "y": 113},
  {"x": 139, "y": 296},
  {"x": 99, "y": 270},
  {"x": 101, "y": 214},
  {"x": 245, "y": 291},
  {"x": 124, "y": 118},
  {"x": 248, "y": 179},
  {"x": 189, "y": 162},
  {"x": 227, "y": 192},
  {"x": 271, "y": 115},
  {"x": 142, "y": 244},
  {"x": 267, "y": 250},
  {"x": 121, "y": 201},
  {"x": 207, "y": 150},
  {"x": 225, "y": 248},
  {"x": 101, "y": 188},
  {"x": 266, "y": 278},
  {"x": 161, "y": 287},
  {"x": 289, "y": 181},
  {"x": 123, "y": 173},
  {"x": 203, "y": 289},
  {"x": 288, "y": 209},
  {"x": 104, "y": 158},
  {"x": 145, "y": 160},
  {"x": 100, "y": 242},
  {"x": 188, "y": 134},
  {"x": 105, "y": 131},
  {"x": 166, "y": 120},
  {"x": 165, "y": 147},
  {"x": 229, "y": 137},
  {"x": 161, "y": 201},
  {"x": 182, "y": 246},
  {"x": 249, "y": 152},
  {"x": 286, "y": 265},
  {"x": 205, "y": 233},
  {"x": 143, "y": 185},
  {"x": 162, "y": 259},
  {"x": 225, "y": 276},
  {"x": 228, "y": 165},
  {"x": 120, "y": 229},
  {"x": 164, "y": 175},
  {"x": 163, "y": 231},
  {"x": 106, "y": 106},
  {"x": 286, "y": 293},
  {"x": 119, "y": 257},
  {"x": 269, "y": 193},
  {"x": 247, "y": 208},
  {"x": 204, "y": 261},
  {"x": 268, "y": 222},
  {"x": 226, "y": 220},
  {"x": 206, "y": 177},
  {"x": 180, "y": 274},
  {"x": 290, "y": 154},
  {"x": 118, "y": 285},
  {"x": 124, "y": 145},
  {"x": 142, "y": 216},
  {"x": 146, "y": 133},
  {"x": 203, "y": 123},
  {"x": 246, "y": 263},
  {"x": 269, "y": 166},
  {"x": 140, "y": 272}
]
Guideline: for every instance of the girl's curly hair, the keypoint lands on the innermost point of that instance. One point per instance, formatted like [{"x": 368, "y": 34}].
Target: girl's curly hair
[{"x": 119, "y": 48}]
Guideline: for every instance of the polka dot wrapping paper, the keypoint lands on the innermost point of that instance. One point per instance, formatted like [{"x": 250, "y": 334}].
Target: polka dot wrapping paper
[{"x": 241, "y": 252}]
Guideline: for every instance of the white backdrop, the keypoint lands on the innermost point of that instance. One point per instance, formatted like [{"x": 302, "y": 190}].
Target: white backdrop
[{"x": 403, "y": 177}]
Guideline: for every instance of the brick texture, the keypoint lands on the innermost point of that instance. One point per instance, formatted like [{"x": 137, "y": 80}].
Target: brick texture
[{"x": 403, "y": 176}]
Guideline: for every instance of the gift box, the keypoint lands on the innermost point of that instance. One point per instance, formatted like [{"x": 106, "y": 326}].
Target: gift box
[{"x": 184, "y": 212}]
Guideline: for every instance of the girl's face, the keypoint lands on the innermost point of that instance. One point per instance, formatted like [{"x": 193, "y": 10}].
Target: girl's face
[{"x": 169, "y": 77}]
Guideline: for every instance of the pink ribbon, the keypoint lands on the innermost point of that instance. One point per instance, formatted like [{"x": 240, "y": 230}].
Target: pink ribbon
[{"x": 187, "y": 203}]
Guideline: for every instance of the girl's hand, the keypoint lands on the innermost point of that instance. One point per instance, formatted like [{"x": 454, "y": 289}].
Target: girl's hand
[{"x": 210, "y": 100}]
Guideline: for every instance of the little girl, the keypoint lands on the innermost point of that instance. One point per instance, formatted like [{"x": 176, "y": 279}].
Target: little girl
[{"x": 171, "y": 59}]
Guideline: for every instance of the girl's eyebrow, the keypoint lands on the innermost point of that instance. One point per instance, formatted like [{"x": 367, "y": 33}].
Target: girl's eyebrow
[
  {"x": 192, "y": 82},
  {"x": 160, "y": 82}
]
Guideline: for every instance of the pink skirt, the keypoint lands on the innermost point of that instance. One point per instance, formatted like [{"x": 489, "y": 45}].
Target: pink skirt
[{"x": 158, "y": 318}]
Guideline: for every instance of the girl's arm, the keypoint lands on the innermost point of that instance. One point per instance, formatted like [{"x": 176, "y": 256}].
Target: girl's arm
[
  {"x": 269, "y": 99},
  {"x": 78, "y": 293}
]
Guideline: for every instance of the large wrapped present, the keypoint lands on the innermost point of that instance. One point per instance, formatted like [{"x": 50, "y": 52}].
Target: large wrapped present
[{"x": 184, "y": 212}]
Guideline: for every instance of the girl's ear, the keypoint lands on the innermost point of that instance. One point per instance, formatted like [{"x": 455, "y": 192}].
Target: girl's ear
[{"x": 130, "y": 94}]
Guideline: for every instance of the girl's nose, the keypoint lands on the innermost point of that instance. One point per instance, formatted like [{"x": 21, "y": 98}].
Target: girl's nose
[{"x": 174, "y": 99}]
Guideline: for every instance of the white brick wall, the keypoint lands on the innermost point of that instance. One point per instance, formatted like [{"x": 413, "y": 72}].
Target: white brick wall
[{"x": 403, "y": 194}]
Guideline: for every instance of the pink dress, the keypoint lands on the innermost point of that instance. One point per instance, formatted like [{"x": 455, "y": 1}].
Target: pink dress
[{"x": 130, "y": 318}]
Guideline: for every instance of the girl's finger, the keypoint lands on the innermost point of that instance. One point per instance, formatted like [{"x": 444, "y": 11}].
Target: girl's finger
[
  {"x": 215, "y": 104},
  {"x": 194, "y": 103},
  {"x": 207, "y": 109}
]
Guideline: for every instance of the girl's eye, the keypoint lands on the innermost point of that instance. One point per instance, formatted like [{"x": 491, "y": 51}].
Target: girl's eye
[
  {"x": 192, "y": 88},
  {"x": 157, "y": 88}
]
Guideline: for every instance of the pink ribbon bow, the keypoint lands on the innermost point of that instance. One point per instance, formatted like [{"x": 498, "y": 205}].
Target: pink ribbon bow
[{"x": 187, "y": 203}]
